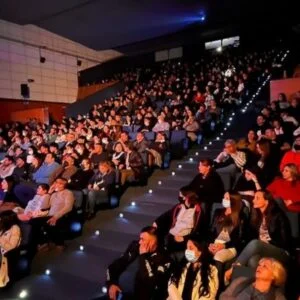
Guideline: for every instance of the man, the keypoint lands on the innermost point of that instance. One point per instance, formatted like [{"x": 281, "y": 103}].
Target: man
[
  {"x": 153, "y": 269},
  {"x": 21, "y": 170},
  {"x": 97, "y": 155},
  {"x": 7, "y": 167},
  {"x": 229, "y": 162},
  {"x": 69, "y": 168},
  {"x": 48, "y": 171},
  {"x": 61, "y": 203},
  {"x": 133, "y": 167},
  {"x": 103, "y": 179},
  {"x": 141, "y": 145}
]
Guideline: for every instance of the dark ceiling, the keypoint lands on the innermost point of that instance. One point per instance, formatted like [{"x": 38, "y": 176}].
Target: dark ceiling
[{"x": 106, "y": 24}]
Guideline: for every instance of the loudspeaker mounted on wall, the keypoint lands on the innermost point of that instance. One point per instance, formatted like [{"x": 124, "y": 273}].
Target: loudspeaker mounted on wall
[
  {"x": 42, "y": 59},
  {"x": 24, "y": 90},
  {"x": 79, "y": 62}
]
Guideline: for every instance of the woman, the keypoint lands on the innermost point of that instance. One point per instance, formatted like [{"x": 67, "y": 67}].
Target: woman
[
  {"x": 157, "y": 150},
  {"x": 287, "y": 188},
  {"x": 228, "y": 229},
  {"x": 196, "y": 278},
  {"x": 10, "y": 238},
  {"x": 35, "y": 165},
  {"x": 248, "y": 143},
  {"x": 268, "y": 161},
  {"x": 269, "y": 281},
  {"x": 118, "y": 156},
  {"x": 8, "y": 198},
  {"x": 248, "y": 183},
  {"x": 181, "y": 221},
  {"x": 269, "y": 232}
]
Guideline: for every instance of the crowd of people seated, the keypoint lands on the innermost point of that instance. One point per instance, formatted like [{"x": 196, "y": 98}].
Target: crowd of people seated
[
  {"x": 50, "y": 172},
  {"x": 234, "y": 233}
]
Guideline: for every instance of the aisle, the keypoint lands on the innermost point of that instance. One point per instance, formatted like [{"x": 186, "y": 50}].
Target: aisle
[{"x": 80, "y": 275}]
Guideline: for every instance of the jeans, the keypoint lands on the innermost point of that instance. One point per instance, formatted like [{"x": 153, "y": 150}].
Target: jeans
[
  {"x": 228, "y": 175},
  {"x": 94, "y": 198},
  {"x": 257, "y": 249}
]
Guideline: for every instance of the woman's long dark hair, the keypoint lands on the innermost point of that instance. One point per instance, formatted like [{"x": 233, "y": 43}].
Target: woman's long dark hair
[
  {"x": 7, "y": 219},
  {"x": 206, "y": 260}
]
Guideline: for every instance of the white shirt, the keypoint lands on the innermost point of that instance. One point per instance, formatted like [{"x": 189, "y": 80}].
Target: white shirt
[{"x": 184, "y": 223}]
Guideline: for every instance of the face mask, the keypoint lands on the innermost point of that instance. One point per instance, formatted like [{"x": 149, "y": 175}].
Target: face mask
[
  {"x": 297, "y": 147},
  {"x": 226, "y": 203},
  {"x": 30, "y": 152},
  {"x": 190, "y": 256}
]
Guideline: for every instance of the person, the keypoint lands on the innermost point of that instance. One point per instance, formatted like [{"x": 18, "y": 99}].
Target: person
[
  {"x": 248, "y": 183},
  {"x": 268, "y": 283},
  {"x": 161, "y": 125},
  {"x": 229, "y": 162},
  {"x": 269, "y": 233},
  {"x": 97, "y": 155},
  {"x": 196, "y": 278},
  {"x": 21, "y": 169},
  {"x": 68, "y": 167},
  {"x": 287, "y": 188},
  {"x": 48, "y": 171},
  {"x": 81, "y": 178},
  {"x": 153, "y": 270},
  {"x": 36, "y": 207},
  {"x": 7, "y": 167},
  {"x": 268, "y": 161},
  {"x": 208, "y": 185},
  {"x": 102, "y": 180},
  {"x": 227, "y": 233},
  {"x": 10, "y": 238},
  {"x": 133, "y": 167},
  {"x": 293, "y": 155},
  {"x": 248, "y": 143},
  {"x": 61, "y": 203},
  {"x": 181, "y": 221},
  {"x": 8, "y": 198}
]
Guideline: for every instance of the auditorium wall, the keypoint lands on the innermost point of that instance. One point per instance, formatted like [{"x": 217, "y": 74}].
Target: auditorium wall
[{"x": 55, "y": 80}]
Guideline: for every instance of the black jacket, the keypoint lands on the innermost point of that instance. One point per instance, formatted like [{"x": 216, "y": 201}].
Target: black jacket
[
  {"x": 237, "y": 235},
  {"x": 277, "y": 223},
  {"x": 103, "y": 181},
  {"x": 209, "y": 189},
  {"x": 136, "y": 163},
  {"x": 80, "y": 179},
  {"x": 152, "y": 275}
]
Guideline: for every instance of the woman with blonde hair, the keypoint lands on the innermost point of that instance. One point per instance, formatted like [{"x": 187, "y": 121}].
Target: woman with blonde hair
[
  {"x": 287, "y": 187},
  {"x": 268, "y": 283}
]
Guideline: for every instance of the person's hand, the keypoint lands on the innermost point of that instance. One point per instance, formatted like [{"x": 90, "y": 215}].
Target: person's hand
[
  {"x": 121, "y": 166},
  {"x": 23, "y": 217},
  {"x": 96, "y": 188},
  {"x": 113, "y": 292},
  {"x": 252, "y": 176},
  {"x": 52, "y": 221},
  {"x": 115, "y": 161},
  {"x": 90, "y": 187},
  {"x": 178, "y": 238},
  {"x": 288, "y": 202}
]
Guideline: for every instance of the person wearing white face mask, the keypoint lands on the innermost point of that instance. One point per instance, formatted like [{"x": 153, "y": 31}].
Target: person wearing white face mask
[{"x": 196, "y": 278}]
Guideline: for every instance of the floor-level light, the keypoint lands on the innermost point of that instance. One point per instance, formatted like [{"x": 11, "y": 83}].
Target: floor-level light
[
  {"x": 150, "y": 191},
  {"x": 97, "y": 232},
  {"x": 132, "y": 203},
  {"x": 81, "y": 247},
  {"x": 173, "y": 173},
  {"x": 47, "y": 272},
  {"x": 191, "y": 159},
  {"x": 104, "y": 290},
  {"x": 23, "y": 294},
  {"x": 179, "y": 166},
  {"x": 159, "y": 182},
  {"x": 121, "y": 215},
  {"x": 205, "y": 148},
  {"x": 197, "y": 153}
]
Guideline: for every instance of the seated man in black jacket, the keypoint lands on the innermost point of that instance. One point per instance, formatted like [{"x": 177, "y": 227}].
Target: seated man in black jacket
[
  {"x": 208, "y": 185},
  {"x": 153, "y": 270}
]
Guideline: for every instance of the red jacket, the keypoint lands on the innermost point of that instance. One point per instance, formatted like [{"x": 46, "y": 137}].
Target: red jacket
[
  {"x": 286, "y": 190},
  {"x": 290, "y": 157}
]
